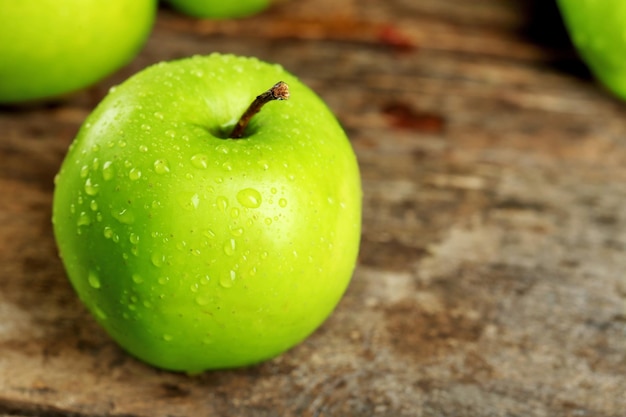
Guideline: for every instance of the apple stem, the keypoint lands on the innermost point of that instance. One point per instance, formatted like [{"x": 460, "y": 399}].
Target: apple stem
[{"x": 280, "y": 91}]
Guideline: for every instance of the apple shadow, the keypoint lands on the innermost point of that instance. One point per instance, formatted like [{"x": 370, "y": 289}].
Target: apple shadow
[{"x": 544, "y": 27}]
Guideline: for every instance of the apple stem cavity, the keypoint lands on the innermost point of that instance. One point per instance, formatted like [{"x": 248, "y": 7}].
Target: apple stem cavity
[{"x": 280, "y": 91}]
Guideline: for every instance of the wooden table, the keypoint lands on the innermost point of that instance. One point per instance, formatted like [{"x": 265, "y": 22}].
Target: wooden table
[{"x": 492, "y": 273}]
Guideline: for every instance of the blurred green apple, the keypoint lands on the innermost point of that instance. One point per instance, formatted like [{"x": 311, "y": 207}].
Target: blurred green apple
[
  {"x": 53, "y": 47},
  {"x": 197, "y": 251},
  {"x": 598, "y": 30},
  {"x": 218, "y": 9}
]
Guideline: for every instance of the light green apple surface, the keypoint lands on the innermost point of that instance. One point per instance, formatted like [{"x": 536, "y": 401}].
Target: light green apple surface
[
  {"x": 219, "y": 9},
  {"x": 53, "y": 47},
  {"x": 195, "y": 251},
  {"x": 598, "y": 30}
]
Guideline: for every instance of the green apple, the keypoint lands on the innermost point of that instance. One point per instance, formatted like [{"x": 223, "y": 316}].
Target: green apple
[
  {"x": 597, "y": 29},
  {"x": 218, "y": 9},
  {"x": 53, "y": 47},
  {"x": 196, "y": 251}
]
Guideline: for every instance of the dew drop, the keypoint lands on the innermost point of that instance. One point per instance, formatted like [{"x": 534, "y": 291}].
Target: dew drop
[
  {"x": 227, "y": 281},
  {"x": 158, "y": 259},
  {"x": 94, "y": 280},
  {"x": 200, "y": 161},
  {"x": 189, "y": 200},
  {"x": 91, "y": 188},
  {"x": 107, "y": 170},
  {"x": 83, "y": 219},
  {"x": 84, "y": 171},
  {"x": 249, "y": 197},
  {"x": 268, "y": 221},
  {"x": 227, "y": 166},
  {"x": 167, "y": 337},
  {"x": 137, "y": 279},
  {"x": 201, "y": 300},
  {"x": 99, "y": 313},
  {"x": 124, "y": 216},
  {"x": 108, "y": 232},
  {"x": 221, "y": 149},
  {"x": 229, "y": 247},
  {"x": 222, "y": 203},
  {"x": 282, "y": 202},
  {"x": 161, "y": 166},
  {"x": 133, "y": 238},
  {"x": 93, "y": 205},
  {"x": 236, "y": 230},
  {"x": 134, "y": 174},
  {"x": 234, "y": 212}
]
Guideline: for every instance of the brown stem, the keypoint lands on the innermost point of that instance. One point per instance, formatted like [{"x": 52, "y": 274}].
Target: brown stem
[{"x": 280, "y": 91}]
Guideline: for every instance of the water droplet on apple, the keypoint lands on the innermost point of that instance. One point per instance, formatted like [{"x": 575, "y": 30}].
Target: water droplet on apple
[
  {"x": 146, "y": 127},
  {"x": 282, "y": 202},
  {"x": 234, "y": 212},
  {"x": 268, "y": 221},
  {"x": 161, "y": 166},
  {"x": 137, "y": 279},
  {"x": 133, "y": 238},
  {"x": 163, "y": 280},
  {"x": 99, "y": 313},
  {"x": 93, "y": 205},
  {"x": 83, "y": 219},
  {"x": 227, "y": 166},
  {"x": 124, "y": 216},
  {"x": 158, "y": 259},
  {"x": 236, "y": 230},
  {"x": 200, "y": 161},
  {"x": 229, "y": 247},
  {"x": 202, "y": 300},
  {"x": 108, "y": 232},
  {"x": 188, "y": 200},
  {"x": 221, "y": 149},
  {"x": 227, "y": 281},
  {"x": 170, "y": 133},
  {"x": 143, "y": 148},
  {"x": 93, "y": 280},
  {"x": 249, "y": 197},
  {"x": 264, "y": 164},
  {"x": 158, "y": 115},
  {"x": 222, "y": 203},
  {"x": 107, "y": 171},
  {"x": 134, "y": 174},
  {"x": 167, "y": 337},
  {"x": 91, "y": 188},
  {"x": 84, "y": 171}
]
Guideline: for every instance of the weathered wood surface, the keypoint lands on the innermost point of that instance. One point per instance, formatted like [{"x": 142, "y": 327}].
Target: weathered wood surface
[{"x": 492, "y": 274}]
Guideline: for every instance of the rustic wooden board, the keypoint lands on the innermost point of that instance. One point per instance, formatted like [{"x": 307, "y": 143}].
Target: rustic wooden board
[{"x": 492, "y": 274}]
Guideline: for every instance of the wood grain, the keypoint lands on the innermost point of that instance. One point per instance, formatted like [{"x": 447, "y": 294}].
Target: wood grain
[{"x": 491, "y": 279}]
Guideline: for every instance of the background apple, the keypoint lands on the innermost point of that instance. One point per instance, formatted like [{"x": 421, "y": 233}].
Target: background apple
[
  {"x": 597, "y": 29},
  {"x": 217, "y": 9},
  {"x": 52, "y": 47},
  {"x": 195, "y": 251}
]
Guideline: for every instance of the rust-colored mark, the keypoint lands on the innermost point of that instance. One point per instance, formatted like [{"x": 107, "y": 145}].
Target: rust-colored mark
[
  {"x": 403, "y": 116},
  {"x": 392, "y": 36}
]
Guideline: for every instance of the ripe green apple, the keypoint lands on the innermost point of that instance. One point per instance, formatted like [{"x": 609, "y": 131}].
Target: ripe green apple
[
  {"x": 597, "y": 29},
  {"x": 196, "y": 251},
  {"x": 218, "y": 9},
  {"x": 53, "y": 47}
]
